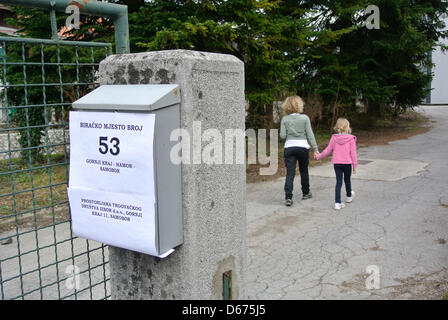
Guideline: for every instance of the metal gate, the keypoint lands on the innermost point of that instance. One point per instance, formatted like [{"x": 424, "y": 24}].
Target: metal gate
[{"x": 39, "y": 256}]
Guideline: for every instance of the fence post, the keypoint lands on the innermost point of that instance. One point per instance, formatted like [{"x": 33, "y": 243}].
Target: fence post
[{"x": 213, "y": 195}]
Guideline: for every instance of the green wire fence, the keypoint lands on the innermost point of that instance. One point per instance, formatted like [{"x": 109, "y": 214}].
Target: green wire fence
[{"x": 40, "y": 258}]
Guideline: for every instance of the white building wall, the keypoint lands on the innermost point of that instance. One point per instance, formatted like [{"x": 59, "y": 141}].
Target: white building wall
[{"x": 439, "y": 93}]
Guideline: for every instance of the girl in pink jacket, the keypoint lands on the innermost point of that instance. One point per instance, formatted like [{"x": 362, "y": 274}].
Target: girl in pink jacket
[{"x": 343, "y": 146}]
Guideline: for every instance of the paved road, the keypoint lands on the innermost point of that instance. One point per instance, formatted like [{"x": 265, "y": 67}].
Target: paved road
[
  {"x": 397, "y": 223},
  {"x": 48, "y": 273}
]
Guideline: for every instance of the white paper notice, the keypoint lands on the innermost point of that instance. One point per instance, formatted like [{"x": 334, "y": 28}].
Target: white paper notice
[
  {"x": 111, "y": 185},
  {"x": 112, "y": 152},
  {"x": 119, "y": 219}
]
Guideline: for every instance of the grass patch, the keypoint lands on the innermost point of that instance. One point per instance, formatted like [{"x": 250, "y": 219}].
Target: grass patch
[{"x": 37, "y": 190}]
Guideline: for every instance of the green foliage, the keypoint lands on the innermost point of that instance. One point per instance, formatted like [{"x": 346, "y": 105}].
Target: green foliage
[
  {"x": 315, "y": 48},
  {"x": 318, "y": 49},
  {"x": 31, "y": 122},
  {"x": 384, "y": 69},
  {"x": 19, "y": 97},
  {"x": 271, "y": 40}
]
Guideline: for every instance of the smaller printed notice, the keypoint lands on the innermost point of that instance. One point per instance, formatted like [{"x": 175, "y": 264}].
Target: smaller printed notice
[{"x": 118, "y": 219}]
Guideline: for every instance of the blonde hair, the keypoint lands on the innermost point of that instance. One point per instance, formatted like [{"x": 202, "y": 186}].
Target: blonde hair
[
  {"x": 342, "y": 126},
  {"x": 293, "y": 104}
]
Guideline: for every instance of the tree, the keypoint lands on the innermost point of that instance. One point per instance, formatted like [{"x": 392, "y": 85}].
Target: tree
[
  {"x": 270, "y": 38},
  {"x": 319, "y": 49},
  {"x": 33, "y": 121},
  {"x": 382, "y": 68}
]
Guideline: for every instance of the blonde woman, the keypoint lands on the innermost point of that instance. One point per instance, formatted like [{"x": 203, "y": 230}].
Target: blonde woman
[
  {"x": 343, "y": 146},
  {"x": 295, "y": 127}
]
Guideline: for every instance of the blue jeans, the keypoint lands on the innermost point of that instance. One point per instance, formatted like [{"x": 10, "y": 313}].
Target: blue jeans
[{"x": 343, "y": 171}]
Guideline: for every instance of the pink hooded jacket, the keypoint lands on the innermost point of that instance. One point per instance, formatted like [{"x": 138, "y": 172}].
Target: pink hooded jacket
[{"x": 343, "y": 147}]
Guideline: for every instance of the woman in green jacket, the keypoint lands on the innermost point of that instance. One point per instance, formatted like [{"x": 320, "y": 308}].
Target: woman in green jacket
[{"x": 296, "y": 128}]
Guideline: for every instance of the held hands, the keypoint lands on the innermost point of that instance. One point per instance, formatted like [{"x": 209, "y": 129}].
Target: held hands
[{"x": 318, "y": 153}]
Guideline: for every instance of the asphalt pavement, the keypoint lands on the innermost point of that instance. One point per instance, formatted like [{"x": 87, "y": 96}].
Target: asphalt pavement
[{"x": 391, "y": 242}]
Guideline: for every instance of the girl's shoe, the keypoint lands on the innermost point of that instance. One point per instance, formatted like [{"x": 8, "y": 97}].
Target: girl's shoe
[
  {"x": 350, "y": 199},
  {"x": 288, "y": 202},
  {"x": 339, "y": 206}
]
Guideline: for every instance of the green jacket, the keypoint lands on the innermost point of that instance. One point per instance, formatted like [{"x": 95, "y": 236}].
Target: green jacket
[{"x": 297, "y": 126}]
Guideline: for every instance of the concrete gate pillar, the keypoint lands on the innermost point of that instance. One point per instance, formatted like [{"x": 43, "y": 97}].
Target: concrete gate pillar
[{"x": 213, "y": 195}]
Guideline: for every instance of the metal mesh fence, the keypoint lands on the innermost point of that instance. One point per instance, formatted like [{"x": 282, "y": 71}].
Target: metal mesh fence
[{"x": 40, "y": 258}]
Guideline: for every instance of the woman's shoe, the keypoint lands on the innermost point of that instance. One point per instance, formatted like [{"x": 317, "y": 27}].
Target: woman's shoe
[
  {"x": 309, "y": 195},
  {"x": 288, "y": 202}
]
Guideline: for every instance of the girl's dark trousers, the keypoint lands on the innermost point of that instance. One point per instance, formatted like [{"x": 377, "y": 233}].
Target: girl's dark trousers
[
  {"x": 343, "y": 172},
  {"x": 292, "y": 155}
]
